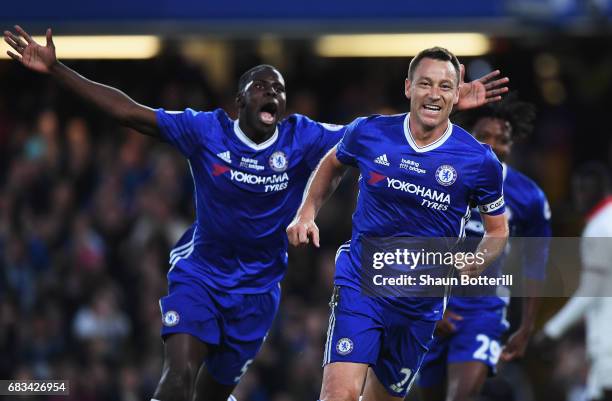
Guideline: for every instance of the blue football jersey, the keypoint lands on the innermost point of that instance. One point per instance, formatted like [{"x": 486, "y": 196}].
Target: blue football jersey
[
  {"x": 411, "y": 191},
  {"x": 245, "y": 194},
  {"x": 528, "y": 216}
]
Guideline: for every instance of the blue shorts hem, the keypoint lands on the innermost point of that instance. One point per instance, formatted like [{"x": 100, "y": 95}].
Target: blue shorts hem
[
  {"x": 369, "y": 363},
  {"x": 166, "y": 331}
]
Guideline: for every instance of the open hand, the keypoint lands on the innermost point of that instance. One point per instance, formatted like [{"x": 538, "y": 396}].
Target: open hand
[
  {"x": 481, "y": 91},
  {"x": 29, "y": 53}
]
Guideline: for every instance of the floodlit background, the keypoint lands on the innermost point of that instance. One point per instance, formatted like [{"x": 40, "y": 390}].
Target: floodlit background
[{"x": 89, "y": 210}]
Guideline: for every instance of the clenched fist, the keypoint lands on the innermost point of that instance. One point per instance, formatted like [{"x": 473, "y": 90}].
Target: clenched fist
[{"x": 302, "y": 230}]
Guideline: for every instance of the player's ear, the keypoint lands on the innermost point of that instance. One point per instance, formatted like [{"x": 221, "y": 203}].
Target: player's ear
[
  {"x": 407, "y": 86},
  {"x": 240, "y": 99},
  {"x": 457, "y": 90}
]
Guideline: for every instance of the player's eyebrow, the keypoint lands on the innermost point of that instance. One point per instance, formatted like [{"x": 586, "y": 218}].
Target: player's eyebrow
[
  {"x": 273, "y": 82},
  {"x": 267, "y": 81}
]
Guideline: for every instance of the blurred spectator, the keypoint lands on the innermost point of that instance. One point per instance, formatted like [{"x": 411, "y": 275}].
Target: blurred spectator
[{"x": 102, "y": 319}]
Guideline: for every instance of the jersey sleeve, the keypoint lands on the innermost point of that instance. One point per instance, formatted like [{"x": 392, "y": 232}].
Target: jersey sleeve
[
  {"x": 323, "y": 137},
  {"x": 349, "y": 146},
  {"x": 182, "y": 129},
  {"x": 537, "y": 234},
  {"x": 488, "y": 186}
]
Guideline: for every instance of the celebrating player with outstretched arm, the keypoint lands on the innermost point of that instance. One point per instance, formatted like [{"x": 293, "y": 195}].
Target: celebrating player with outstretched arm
[
  {"x": 389, "y": 335},
  {"x": 249, "y": 176}
]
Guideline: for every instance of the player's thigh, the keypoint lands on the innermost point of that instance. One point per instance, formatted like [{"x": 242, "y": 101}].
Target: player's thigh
[
  {"x": 207, "y": 388},
  {"x": 183, "y": 351},
  {"x": 465, "y": 380},
  {"x": 343, "y": 381},
  {"x": 183, "y": 357},
  {"x": 375, "y": 391}
]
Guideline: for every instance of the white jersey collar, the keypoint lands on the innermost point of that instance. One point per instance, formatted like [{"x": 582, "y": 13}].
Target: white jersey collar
[
  {"x": 434, "y": 145},
  {"x": 247, "y": 141}
]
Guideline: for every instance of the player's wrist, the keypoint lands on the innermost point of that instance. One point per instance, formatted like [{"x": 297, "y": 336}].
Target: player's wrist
[
  {"x": 306, "y": 214},
  {"x": 55, "y": 68}
]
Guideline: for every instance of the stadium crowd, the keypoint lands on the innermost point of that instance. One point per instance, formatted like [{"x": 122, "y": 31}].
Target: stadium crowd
[{"x": 89, "y": 212}]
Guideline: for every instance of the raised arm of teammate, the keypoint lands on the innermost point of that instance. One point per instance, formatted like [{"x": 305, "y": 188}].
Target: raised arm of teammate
[
  {"x": 109, "y": 100},
  {"x": 323, "y": 183}
]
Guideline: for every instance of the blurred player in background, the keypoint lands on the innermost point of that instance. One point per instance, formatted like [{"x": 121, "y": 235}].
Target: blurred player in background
[
  {"x": 249, "y": 176},
  {"x": 386, "y": 338},
  {"x": 593, "y": 298},
  {"x": 467, "y": 344}
]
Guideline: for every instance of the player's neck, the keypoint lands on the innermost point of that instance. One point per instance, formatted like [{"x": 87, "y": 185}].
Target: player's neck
[
  {"x": 423, "y": 135},
  {"x": 258, "y": 136}
]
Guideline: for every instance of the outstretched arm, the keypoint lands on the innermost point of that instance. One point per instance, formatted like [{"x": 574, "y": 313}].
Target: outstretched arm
[
  {"x": 486, "y": 89},
  {"x": 110, "y": 100},
  {"x": 322, "y": 184}
]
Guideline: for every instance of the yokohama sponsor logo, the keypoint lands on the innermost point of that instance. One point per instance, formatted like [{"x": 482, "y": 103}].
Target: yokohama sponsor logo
[
  {"x": 257, "y": 179},
  {"x": 424, "y": 192}
]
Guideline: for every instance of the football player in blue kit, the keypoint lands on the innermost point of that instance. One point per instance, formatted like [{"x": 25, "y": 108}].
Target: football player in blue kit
[
  {"x": 419, "y": 174},
  {"x": 467, "y": 345},
  {"x": 249, "y": 177}
]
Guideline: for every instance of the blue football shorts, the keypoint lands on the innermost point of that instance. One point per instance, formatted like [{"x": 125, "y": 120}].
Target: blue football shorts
[
  {"x": 233, "y": 325},
  {"x": 369, "y": 330},
  {"x": 477, "y": 338}
]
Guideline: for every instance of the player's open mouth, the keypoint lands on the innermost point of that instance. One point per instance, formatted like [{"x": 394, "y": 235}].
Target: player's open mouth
[
  {"x": 267, "y": 114},
  {"x": 432, "y": 107}
]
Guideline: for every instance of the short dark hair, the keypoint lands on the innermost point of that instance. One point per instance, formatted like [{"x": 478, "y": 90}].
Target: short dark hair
[
  {"x": 520, "y": 115},
  {"x": 246, "y": 77},
  {"x": 436, "y": 53}
]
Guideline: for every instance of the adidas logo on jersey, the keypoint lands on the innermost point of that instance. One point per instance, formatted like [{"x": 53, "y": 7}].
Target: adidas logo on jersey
[
  {"x": 382, "y": 159},
  {"x": 225, "y": 156}
]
